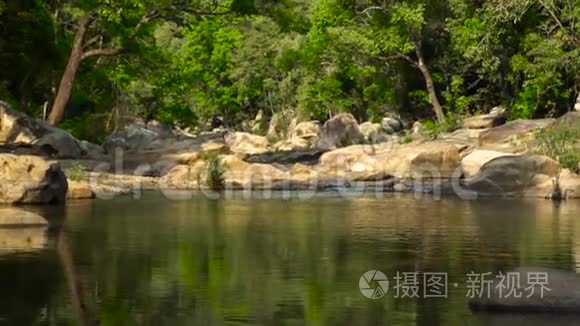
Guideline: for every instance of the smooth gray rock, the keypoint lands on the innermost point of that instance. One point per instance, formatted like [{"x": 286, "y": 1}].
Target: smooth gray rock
[
  {"x": 514, "y": 175},
  {"x": 17, "y": 128},
  {"x": 340, "y": 131},
  {"x": 512, "y": 130},
  {"x": 392, "y": 122}
]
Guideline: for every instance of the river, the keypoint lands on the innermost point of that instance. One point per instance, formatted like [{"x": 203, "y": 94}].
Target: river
[{"x": 280, "y": 261}]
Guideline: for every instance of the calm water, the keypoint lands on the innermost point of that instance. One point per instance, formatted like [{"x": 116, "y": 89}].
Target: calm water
[{"x": 277, "y": 262}]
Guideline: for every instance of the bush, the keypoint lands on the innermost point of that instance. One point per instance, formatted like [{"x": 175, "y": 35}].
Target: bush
[
  {"x": 76, "y": 172},
  {"x": 407, "y": 139},
  {"x": 434, "y": 129},
  {"x": 562, "y": 144},
  {"x": 215, "y": 174}
]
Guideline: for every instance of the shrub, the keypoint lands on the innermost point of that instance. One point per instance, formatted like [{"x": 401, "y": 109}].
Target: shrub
[
  {"x": 407, "y": 139},
  {"x": 215, "y": 174},
  {"x": 562, "y": 144},
  {"x": 273, "y": 139},
  {"x": 434, "y": 129},
  {"x": 76, "y": 172}
]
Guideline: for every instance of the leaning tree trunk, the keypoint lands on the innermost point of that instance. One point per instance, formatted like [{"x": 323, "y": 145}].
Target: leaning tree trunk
[
  {"x": 433, "y": 99},
  {"x": 66, "y": 84}
]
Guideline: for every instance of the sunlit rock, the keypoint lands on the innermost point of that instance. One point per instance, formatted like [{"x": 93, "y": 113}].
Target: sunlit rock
[
  {"x": 30, "y": 180},
  {"x": 340, "y": 131}
]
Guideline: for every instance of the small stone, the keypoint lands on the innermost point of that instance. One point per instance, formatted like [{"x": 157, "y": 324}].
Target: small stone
[
  {"x": 79, "y": 190},
  {"x": 418, "y": 128},
  {"x": 392, "y": 123}
]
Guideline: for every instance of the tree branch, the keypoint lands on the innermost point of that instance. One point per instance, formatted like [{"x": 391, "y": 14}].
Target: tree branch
[
  {"x": 559, "y": 22},
  {"x": 367, "y": 10},
  {"x": 103, "y": 53},
  {"x": 403, "y": 56},
  {"x": 92, "y": 41}
]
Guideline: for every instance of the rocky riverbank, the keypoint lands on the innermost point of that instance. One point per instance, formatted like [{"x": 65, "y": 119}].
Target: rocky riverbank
[{"x": 486, "y": 157}]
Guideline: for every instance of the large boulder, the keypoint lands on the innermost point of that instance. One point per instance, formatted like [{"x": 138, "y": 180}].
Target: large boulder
[
  {"x": 515, "y": 175},
  {"x": 554, "y": 291},
  {"x": 569, "y": 184},
  {"x": 418, "y": 128},
  {"x": 240, "y": 174},
  {"x": 512, "y": 132},
  {"x": 466, "y": 138},
  {"x": 31, "y": 180},
  {"x": 64, "y": 145},
  {"x": 473, "y": 162},
  {"x": 340, "y": 131},
  {"x": 184, "y": 177},
  {"x": 18, "y": 128},
  {"x": 91, "y": 150},
  {"x": 391, "y": 124},
  {"x": 308, "y": 130},
  {"x": 244, "y": 143},
  {"x": 160, "y": 128},
  {"x": 374, "y": 132},
  {"x": 292, "y": 144},
  {"x": 132, "y": 138},
  {"x": 568, "y": 120},
  {"x": 434, "y": 160},
  {"x": 497, "y": 117},
  {"x": 280, "y": 125},
  {"x": 256, "y": 126}
]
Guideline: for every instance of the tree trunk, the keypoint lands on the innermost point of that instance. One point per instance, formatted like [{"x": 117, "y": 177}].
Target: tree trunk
[
  {"x": 66, "y": 84},
  {"x": 433, "y": 99}
]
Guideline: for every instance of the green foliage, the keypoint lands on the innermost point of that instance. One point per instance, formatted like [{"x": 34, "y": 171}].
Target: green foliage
[
  {"x": 76, "y": 172},
  {"x": 562, "y": 144},
  {"x": 525, "y": 104},
  {"x": 215, "y": 173},
  {"x": 316, "y": 58},
  {"x": 433, "y": 129},
  {"x": 407, "y": 139}
]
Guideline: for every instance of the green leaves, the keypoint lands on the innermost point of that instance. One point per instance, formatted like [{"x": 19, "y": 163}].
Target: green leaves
[
  {"x": 189, "y": 60},
  {"x": 243, "y": 6},
  {"x": 408, "y": 15}
]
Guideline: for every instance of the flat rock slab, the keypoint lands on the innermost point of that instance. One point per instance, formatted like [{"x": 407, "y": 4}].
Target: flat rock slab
[
  {"x": 15, "y": 217},
  {"x": 512, "y": 130},
  {"x": 562, "y": 294}
]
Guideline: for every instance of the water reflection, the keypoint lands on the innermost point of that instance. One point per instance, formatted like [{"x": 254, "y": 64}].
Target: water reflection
[{"x": 156, "y": 262}]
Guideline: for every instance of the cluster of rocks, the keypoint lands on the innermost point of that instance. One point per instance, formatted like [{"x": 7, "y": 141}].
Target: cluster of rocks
[
  {"x": 479, "y": 160},
  {"x": 487, "y": 157},
  {"x": 16, "y": 128}
]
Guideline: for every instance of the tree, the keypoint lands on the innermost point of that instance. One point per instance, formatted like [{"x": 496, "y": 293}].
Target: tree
[
  {"x": 400, "y": 28},
  {"x": 105, "y": 27},
  {"x": 522, "y": 53}
]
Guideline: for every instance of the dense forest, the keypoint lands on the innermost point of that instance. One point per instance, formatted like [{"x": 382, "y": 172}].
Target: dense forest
[{"x": 86, "y": 64}]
